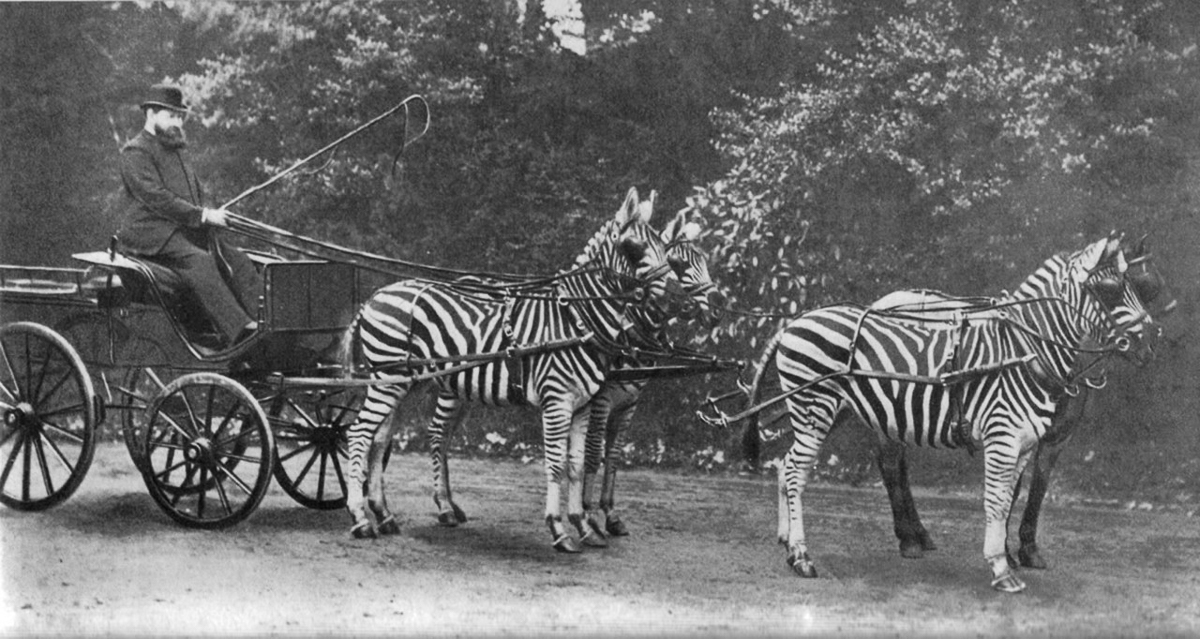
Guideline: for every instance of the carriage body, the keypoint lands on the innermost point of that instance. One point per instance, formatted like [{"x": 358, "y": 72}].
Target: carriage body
[{"x": 207, "y": 427}]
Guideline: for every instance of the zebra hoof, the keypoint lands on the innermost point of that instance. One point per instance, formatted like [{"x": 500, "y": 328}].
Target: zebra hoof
[
  {"x": 448, "y": 519},
  {"x": 926, "y": 541},
  {"x": 567, "y": 544},
  {"x": 1008, "y": 582},
  {"x": 594, "y": 540},
  {"x": 592, "y": 536},
  {"x": 1030, "y": 558},
  {"x": 363, "y": 530},
  {"x": 615, "y": 527},
  {"x": 459, "y": 515},
  {"x": 389, "y": 526},
  {"x": 802, "y": 566},
  {"x": 912, "y": 550}
]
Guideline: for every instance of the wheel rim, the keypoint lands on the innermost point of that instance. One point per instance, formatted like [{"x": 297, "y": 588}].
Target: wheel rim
[
  {"x": 47, "y": 417},
  {"x": 311, "y": 444},
  {"x": 208, "y": 453}
]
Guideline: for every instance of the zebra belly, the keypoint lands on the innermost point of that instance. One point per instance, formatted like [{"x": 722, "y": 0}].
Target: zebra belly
[{"x": 921, "y": 414}]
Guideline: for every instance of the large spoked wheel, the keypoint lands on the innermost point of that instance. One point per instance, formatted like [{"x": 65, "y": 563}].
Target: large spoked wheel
[
  {"x": 49, "y": 411},
  {"x": 208, "y": 452},
  {"x": 311, "y": 443}
]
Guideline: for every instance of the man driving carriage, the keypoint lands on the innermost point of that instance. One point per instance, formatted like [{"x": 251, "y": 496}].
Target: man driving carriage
[{"x": 166, "y": 221}]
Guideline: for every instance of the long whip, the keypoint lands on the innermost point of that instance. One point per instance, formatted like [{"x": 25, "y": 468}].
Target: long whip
[{"x": 403, "y": 104}]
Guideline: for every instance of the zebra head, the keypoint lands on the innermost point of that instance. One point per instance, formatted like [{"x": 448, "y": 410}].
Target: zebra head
[
  {"x": 1111, "y": 292},
  {"x": 1149, "y": 282},
  {"x": 691, "y": 265},
  {"x": 633, "y": 261}
]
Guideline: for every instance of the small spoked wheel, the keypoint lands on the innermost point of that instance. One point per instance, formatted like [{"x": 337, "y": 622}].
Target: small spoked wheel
[
  {"x": 311, "y": 444},
  {"x": 207, "y": 451},
  {"x": 49, "y": 413},
  {"x": 140, "y": 385}
]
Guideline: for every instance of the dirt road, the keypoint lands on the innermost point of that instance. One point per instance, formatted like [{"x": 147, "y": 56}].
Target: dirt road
[{"x": 702, "y": 560}]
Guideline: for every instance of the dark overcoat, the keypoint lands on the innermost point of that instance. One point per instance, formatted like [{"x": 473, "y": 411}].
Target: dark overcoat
[{"x": 161, "y": 195}]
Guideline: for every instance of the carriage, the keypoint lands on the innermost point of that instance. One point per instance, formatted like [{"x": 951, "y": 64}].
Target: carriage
[{"x": 207, "y": 427}]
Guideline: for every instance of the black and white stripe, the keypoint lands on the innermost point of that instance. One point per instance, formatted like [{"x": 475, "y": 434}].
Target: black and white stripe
[
  {"x": 612, "y": 409},
  {"x": 1149, "y": 284},
  {"x": 916, "y": 381},
  {"x": 421, "y": 321}
]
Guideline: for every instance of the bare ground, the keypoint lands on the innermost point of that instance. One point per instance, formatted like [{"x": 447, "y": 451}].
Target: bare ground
[{"x": 702, "y": 560}]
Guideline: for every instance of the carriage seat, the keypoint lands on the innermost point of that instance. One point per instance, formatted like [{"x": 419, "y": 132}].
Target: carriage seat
[{"x": 132, "y": 280}]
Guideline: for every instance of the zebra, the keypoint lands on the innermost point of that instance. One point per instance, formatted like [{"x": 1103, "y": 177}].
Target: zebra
[
  {"x": 613, "y": 407},
  {"x": 1150, "y": 286},
  {"x": 691, "y": 266},
  {"x": 991, "y": 380},
  {"x": 440, "y": 324}
]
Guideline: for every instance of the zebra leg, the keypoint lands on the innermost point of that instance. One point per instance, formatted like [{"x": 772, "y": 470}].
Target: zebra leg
[
  {"x": 1004, "y": 457},
  {"x": 599, "y": 411},
  {"x": 556, "y": 424},
  {"x": 377, "y": 407},
  {"x": 810, "y": 424},
  {"x": 446, "y": 418},
  {"x": 893, "y": 467},
  {"x": 618, "y": 423},
  {"x": 1069, "y": 415},
  {"x": 385, "y": 521},
  {"x": 793, "y": 476},
  {"x": 1043, "y": 464},
  {"x": 589, "y": 534}
]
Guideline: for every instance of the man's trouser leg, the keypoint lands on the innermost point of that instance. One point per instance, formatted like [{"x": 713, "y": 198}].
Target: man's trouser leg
[
  {"x": 241, "y": 275},
  {"x": 198, "y": 270}
]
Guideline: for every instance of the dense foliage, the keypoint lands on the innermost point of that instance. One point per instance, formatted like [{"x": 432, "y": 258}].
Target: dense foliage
[
  {"x": 834, "y": 149},
  {"x": 934, "y": 143}
]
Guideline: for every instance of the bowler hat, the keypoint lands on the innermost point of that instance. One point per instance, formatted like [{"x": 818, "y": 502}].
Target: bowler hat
[{"x": 165, "y": 96}]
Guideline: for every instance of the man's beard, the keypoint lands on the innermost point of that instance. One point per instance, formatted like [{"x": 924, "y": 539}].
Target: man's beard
[{"x": 171, "y": 137}]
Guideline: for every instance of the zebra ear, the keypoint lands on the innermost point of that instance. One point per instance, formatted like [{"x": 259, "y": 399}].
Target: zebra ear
[
  {"x": 645, "y": 210},
  {"x": 629, "y": 209},
  {"x": 1087, "y": 260},
  {"x": 1113, "y": 247},
  {"x": 675, "y": 227},
  {"x": 1140, "y": 249}
]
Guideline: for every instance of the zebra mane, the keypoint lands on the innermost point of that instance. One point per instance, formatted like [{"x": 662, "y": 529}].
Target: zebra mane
[{"x": 599, "y": 247}]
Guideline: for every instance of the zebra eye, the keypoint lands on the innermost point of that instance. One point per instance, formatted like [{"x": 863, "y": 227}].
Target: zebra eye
[
  {"x": 1110, "y": 291},
  {"x": 1147, "y": 285}
]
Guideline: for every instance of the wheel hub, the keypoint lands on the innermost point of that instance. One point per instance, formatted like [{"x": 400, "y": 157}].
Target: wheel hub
[
  {"x": 21, "y": 416},
  {"x": 199, "y": 450},
  {"x": 325, "y": 437}
]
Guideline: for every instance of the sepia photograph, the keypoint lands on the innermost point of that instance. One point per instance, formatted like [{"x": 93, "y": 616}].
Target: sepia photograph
[{"x": 600, "y": 318}]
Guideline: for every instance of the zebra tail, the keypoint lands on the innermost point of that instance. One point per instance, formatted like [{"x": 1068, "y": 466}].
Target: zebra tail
[
  {"x": 345, "y": 353},
  {"x": 751, "y": 435}
]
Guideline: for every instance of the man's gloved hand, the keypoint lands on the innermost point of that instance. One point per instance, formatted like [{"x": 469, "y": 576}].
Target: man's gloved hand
[{"x": 215, "y": 217}]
